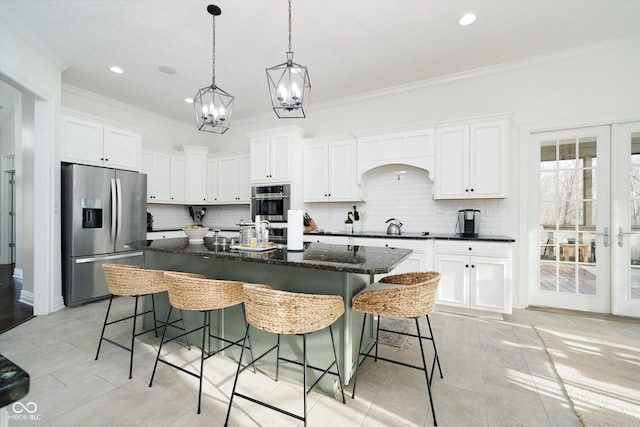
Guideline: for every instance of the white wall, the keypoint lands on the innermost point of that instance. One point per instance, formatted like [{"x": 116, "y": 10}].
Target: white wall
[{"x": 29, "y": 68}]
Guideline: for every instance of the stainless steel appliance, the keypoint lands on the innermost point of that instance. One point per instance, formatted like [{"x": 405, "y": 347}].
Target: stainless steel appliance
[
  {"x": 102, "y": 210},
  {"x": 469, "y": 222},
  {"x": 271, "y": 202},
  {"x": 197, "y": 214}
]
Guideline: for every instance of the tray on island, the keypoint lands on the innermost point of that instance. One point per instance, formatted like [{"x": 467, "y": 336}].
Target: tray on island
[{"x": 250, "y": 249}]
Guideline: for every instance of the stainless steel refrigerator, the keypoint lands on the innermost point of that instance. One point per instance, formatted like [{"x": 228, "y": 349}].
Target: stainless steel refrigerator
[{"x": 102, "y": 210}]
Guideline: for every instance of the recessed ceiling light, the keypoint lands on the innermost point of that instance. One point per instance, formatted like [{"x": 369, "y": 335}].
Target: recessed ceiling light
[
  {"x": 188, "y": 100},
  {"x": 166, "y": 69},
  {"x": 467, "y": 19},
  {"x": 117, "y": 70}
]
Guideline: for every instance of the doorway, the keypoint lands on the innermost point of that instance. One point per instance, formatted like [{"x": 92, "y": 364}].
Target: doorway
[{"x": 588, "y": 219}]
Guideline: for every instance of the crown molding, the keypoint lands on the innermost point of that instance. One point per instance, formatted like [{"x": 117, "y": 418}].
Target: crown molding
[
  {"x": 483, "y": 71},
  {"x": 121, "y": 105},
  {"x": 21, "y": 29}
]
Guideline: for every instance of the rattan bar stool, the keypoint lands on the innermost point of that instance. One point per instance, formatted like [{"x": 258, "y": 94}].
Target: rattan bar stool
[
  {"x": 408, "y": 295},
  {"x": 205, "y": 295},
  {"x": 289, "y": 313},
  {"x": 135, "y": 281}
]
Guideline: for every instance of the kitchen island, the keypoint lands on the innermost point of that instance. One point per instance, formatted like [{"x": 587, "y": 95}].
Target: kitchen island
[{"x": 319, "y": 269}]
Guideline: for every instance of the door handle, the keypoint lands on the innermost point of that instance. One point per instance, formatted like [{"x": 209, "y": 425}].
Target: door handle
[
  {"x": 606, "y": 236},
  {"x": 114, "y": 211},
  {"x": 621, "y": 235}
]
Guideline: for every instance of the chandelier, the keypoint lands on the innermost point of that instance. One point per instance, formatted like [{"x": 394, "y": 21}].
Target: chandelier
[
  {"x": 213, "y": 106},
  {"x": 289, "y": 85}
]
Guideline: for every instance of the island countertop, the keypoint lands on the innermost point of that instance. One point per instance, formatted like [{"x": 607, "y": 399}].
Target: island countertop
[{"x": 319, "y": 256}]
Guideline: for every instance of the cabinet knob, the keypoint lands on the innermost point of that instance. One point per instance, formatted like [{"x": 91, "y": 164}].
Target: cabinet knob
[
  {"x": 469, "y": 248},
  {"x": 472, "y": 189},
  {"x": 466, "y": 189},
  {"x": 473, "y": 266},
  {"x": 467, "y": 265}
]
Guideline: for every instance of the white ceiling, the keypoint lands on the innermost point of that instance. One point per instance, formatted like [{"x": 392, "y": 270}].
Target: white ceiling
[{"x": 351, "y": 47}]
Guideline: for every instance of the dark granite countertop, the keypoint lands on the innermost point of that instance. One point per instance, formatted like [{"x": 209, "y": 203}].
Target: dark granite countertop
[
  {"x": 319, "y": 256},
  {"x": 414, "y": 235},
  {"x": 14, "y": 382}
]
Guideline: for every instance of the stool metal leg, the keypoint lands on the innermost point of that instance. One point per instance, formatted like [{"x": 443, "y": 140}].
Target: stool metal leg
[
  {"x": 133, "y": 336},
  {"x": 355, "y": 375},
  {"x": 155, "y": 321},
  {"x": 278, "y": 357},
  {"x": 304, "y": 376},
  {"x": 235, "y": 382},
  {"x": 104, "y": 326},
  {"x": 335, "y": 357},
  {"x": 433, "y": 341},
  {"x": 155, "y": 365},
  {"x": 426, "y": 373},
  {"x": 184, "y": 328}
]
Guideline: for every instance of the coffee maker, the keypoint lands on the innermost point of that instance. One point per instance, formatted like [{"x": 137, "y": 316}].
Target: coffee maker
[
  {"x": 468, "y": 222},
  {"x": 197, "y": 214}
]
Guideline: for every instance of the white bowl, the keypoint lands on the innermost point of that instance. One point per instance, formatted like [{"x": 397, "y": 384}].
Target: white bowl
[{"x": 196, "y": 235}]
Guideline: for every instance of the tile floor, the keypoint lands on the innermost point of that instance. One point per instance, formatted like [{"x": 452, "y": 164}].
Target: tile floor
[{"x": 496, "y": 373}]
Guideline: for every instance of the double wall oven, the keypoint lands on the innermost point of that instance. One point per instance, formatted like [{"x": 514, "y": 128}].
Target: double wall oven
[{"x": 272, "y": 202}]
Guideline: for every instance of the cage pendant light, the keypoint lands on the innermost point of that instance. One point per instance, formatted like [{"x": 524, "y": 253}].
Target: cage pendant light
[
  {"x": 289, "y": 85},
  {"x": 213, "y": 106}
]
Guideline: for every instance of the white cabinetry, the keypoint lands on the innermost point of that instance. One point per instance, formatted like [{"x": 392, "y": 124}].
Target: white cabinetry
[
  {"x": 413, "y": 146},
  {"x": 273, "y": 154},
  {"x": 230, "y": 178},
  {"x": 196, "y": 174},
  {"x": 165, "y": 176},
  {"x": 329, "y": 171},
  {"x": 475, "y": 275},
  {"x": 90, "y": 141},
  {"x": 472, "y": 161}
]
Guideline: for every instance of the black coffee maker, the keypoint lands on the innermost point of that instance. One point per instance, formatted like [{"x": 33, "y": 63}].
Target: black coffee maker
[
  {"x": 149, "y": 221},
  {"x": 468, "y": 222}
]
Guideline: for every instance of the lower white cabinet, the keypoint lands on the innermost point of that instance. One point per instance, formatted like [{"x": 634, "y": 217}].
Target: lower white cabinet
[{"x": 475, "y": 275}]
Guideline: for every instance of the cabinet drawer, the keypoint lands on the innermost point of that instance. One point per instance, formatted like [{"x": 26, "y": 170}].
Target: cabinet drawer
[
  {"x": 417, "y": 246},
  {"x": 472, "y": 248}
]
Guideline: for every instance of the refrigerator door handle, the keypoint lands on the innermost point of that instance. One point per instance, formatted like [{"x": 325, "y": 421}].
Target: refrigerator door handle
[
  {"x": 107, "y": 258},
  {"x": 119, "y": 220},
  {"x": 114, "y": 211}
]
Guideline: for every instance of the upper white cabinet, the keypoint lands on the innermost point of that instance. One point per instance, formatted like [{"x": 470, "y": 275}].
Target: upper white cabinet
[
  {"x": 90, "y": 141},
  {"x": 231, "y": 179},
  {"x": 471, "y": 161},
  {"x": 329, "y": 171},
  {"x": 414, "y": 145},
  {"x": 196, "y": 174},
  {"x": 165, "y": 176},
  {"x": 272, "y": 154}
]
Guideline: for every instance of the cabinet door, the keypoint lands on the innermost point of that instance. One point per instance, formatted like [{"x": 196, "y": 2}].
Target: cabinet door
[
  {"x": 453, "y": 288},
  {"x": 315, "y": 172},
  {"x": 260, "y": 154},
  {"x": 212, "y": 180},
  {"x": 244, "y": 188},
  {"x": 342, "y": 171},
  {"x": 488, "y": 160},
  {"x": 161, "y": 180},
  {"x": 488, "y": 286},
  {"x": 196, "y": 181},
  {"x": 178, "y": 186},
  {"x": 280, "y": 167},
  {"x": 82, "y": 141},
  {"x": 228, "y": 179},
  {"x": 147, "y": 168},
  {"x": 122, "y": 148},
  {"x": 452, "y": 163}
]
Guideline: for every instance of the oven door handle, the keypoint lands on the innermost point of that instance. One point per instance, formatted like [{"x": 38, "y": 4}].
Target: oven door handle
[{"x": 269, "y": 197}]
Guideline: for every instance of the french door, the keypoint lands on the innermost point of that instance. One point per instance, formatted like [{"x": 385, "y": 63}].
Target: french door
[{"x": 587, "y": 189}]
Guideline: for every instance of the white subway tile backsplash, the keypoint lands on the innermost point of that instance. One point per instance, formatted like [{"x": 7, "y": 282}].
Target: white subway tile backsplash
[
  {"x": 177, "y": 216},
  {"x": 405, "y": 193}
]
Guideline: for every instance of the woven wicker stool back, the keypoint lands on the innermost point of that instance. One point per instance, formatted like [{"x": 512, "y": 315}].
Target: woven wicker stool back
[
  {"x": 197, "y": 293},
  {"x": 131, "y": 280},
  {"x": 416, "y": 298},
  {"x": 284, "y": 312}
]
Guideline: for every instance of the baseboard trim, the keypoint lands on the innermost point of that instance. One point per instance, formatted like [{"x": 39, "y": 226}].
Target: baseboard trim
[
  {"x": 593, "y": 315},
  {"x": 26, "y": 297}
]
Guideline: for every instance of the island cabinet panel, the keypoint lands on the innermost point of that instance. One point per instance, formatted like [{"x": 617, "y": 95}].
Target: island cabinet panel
[
  {"x": 471, "y": 161},
  {"x": 475, "y": 275},
  {"x": 91, "y": 141}
]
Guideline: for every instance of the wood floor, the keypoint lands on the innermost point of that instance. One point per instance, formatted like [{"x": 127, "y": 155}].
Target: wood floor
[{"x": 12, "y": 311}]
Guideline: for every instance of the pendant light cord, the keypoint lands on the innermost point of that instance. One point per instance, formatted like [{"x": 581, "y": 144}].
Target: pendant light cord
[
  {"x": 289, "y": 25},
  {"x": 213, "y": 54}
]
